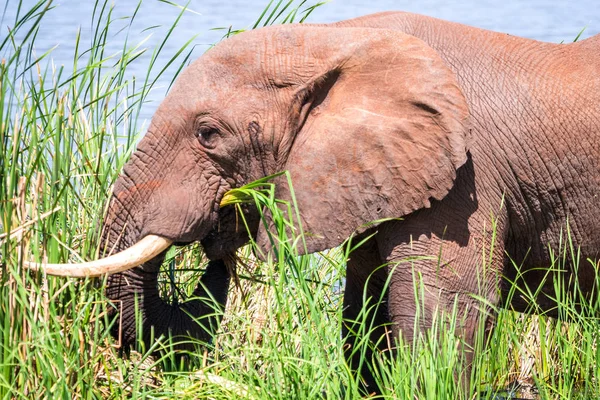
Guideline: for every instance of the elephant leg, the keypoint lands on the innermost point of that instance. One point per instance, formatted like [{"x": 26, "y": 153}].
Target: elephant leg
[
  {"x": 440, "y": 272},
  {"x": 365, "y": 310},
  {"x": 447, "y": 259}
]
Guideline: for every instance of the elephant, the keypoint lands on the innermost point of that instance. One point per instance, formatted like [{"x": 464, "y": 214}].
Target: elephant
[{"x": 456, "y": 141}]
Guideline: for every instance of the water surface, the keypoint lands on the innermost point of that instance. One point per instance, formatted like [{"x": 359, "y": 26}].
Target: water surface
[{"x": 548, "y": 20}]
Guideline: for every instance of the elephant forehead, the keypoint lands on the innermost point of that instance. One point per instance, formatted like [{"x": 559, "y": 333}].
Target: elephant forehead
[
  {"x": 206, "y": 87},
  {"x": 259, "y": 58}
]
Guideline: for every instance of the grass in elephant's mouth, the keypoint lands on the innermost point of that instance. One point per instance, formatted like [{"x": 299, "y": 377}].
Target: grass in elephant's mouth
[
  {"x": 64, "y": 137},
  {"x": 181, "y": 268},
  {"x": 261, "y": 191}
]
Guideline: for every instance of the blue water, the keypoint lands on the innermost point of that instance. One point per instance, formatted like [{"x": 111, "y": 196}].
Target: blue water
[{"x": 548, "y": 20}]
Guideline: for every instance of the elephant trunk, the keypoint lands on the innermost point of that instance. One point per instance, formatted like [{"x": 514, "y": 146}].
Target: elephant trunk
[
  {"x": 144, "y": 315},
  {"x": 136, "y": 297}
]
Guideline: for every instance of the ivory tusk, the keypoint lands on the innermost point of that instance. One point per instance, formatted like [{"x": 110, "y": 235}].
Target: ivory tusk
[{"x": 144, "y": 250}]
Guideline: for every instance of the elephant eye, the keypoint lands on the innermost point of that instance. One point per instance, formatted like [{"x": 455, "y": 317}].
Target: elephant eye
[{"x": 207, "y": 136}]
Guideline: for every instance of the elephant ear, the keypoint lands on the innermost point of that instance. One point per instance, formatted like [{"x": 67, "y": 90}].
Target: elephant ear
[{"x": 377, "y": 131}]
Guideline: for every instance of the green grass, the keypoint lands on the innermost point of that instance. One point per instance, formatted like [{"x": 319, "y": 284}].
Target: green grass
[{"x": 65, "y": 133}]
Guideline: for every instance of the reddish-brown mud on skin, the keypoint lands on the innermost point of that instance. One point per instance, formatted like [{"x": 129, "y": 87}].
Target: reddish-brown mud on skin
[{"x": 139, "y": 189}]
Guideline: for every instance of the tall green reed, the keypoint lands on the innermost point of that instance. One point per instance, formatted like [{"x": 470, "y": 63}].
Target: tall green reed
[
  {"x": 64, "y": 137},
  {"x": 65, "y": 132},
  {"x": 524, "y": 355}
]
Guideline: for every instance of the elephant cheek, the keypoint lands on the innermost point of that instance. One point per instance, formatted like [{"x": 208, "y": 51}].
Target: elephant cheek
[{"x": 179, "y": 213}]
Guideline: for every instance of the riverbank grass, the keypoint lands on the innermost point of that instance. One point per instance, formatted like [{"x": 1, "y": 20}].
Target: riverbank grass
[{"x": 65, "y": 133}]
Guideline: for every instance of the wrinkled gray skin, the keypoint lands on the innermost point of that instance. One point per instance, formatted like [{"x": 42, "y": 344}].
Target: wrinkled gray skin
[{"x": 455, "y": 129}]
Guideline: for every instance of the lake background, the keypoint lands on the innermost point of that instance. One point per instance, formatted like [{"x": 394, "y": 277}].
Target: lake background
[{"x": 548, "y": 20}]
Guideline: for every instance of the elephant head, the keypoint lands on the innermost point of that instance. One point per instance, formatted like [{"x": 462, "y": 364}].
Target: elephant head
[{"x": 370, "y": 123}]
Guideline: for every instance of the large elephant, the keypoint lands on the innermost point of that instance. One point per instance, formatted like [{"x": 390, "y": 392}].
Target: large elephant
[{"x": 462, "y": 141}]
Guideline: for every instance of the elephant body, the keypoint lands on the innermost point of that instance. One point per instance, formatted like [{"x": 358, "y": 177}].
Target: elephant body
[
  {"x": 481, "y": 146},
  {"x": 535, "y": 153},
  {"x": 534, "y": 109}
]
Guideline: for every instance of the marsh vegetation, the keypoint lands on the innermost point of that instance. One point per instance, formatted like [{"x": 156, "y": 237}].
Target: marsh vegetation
[{"x": 65, "y": 133}]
